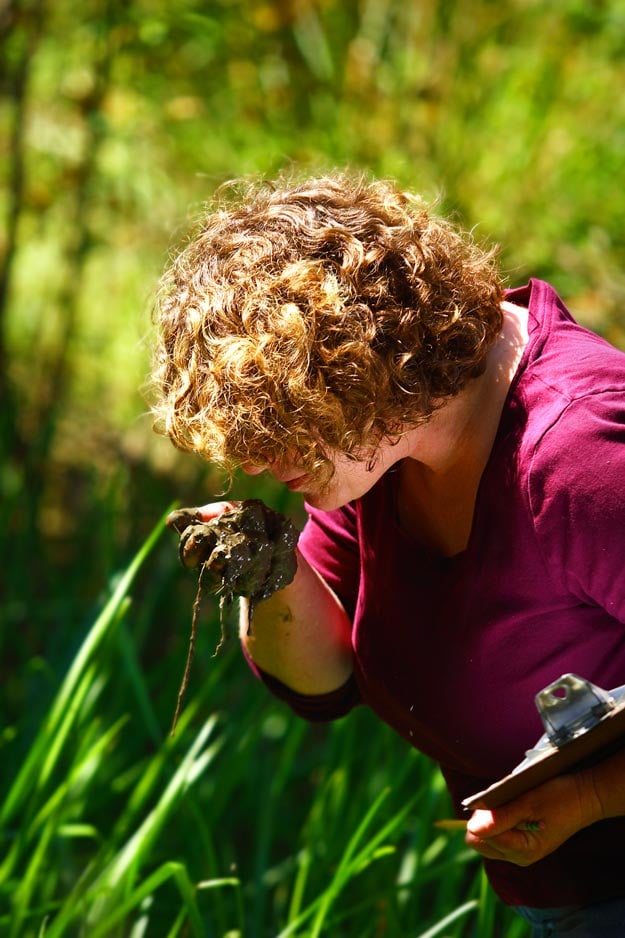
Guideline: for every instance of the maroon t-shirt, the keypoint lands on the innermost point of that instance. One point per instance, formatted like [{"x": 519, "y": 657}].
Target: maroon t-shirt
[{"x": 451, "y": 651}]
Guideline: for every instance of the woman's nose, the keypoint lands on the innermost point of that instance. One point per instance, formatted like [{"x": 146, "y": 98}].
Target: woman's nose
[{"x": 252, "y": 470}]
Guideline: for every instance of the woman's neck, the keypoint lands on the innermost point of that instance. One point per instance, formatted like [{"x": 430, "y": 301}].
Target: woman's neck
[
  {"x": 466, "y": 425},
  {"x": 445, "y": 459}
]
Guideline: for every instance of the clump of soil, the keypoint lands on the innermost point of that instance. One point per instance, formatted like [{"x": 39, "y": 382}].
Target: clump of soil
[{"x": 246, "y": 551}]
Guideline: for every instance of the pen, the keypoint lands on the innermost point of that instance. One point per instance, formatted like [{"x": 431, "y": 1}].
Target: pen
[{"x": 456, "y": 824}]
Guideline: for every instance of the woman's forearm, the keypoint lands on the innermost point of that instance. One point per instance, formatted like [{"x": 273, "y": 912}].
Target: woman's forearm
[
  {"x": 301, "y": 635},
  {"x": 606, "y": 780}
]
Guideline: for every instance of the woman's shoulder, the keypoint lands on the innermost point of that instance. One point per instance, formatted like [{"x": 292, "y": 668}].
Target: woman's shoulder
[{"x": 577, "y": 500}]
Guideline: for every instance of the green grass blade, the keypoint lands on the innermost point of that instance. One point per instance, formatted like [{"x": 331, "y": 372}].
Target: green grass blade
[
  {"x": 352, "y": 862},
  {"x": 93, "y": 754},
  {"x": 22, "y": 894},
  {"x": 444, "y": 923},
  {"x": 167, "y": 871},
  {"x": 63, "y": 708},
  {"x": 299, "y": 887},
  {"x": 138, "y": 684},
  {"x": 137, "y": 847},
  {"x": 114, "y": 881}
]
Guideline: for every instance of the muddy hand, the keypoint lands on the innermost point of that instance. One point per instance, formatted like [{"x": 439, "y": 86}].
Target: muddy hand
[{"x": 247, "y": 549}]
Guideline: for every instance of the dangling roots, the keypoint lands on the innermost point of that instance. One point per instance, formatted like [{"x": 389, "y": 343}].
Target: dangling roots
[
  {"x": 248, "y": 551},
  {"x": 224, "y": 601}
]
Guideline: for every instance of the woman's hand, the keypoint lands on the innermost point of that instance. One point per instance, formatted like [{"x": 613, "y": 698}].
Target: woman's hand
[
  {"x": 301, "y": 634},
  {"x": 538, "y": 822}
]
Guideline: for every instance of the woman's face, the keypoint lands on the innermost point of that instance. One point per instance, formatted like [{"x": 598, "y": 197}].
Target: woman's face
[{"x": 352, "y": 477}]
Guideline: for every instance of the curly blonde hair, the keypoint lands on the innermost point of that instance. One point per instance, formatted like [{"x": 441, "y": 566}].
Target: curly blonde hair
[{"x": 317, "y": 316}]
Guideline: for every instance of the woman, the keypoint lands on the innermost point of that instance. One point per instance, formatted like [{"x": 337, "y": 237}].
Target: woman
[{"x": 460, "y": 450}]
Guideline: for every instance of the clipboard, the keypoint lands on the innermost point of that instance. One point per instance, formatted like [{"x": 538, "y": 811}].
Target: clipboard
[{"x": 583, "y": 724}]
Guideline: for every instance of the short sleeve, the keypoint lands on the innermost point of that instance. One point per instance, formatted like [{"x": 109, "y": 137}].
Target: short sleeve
[
  {"x": 315, "y": 708},
  {"x": 577, "y": 496},
  {"x": 329, "y": 542}
]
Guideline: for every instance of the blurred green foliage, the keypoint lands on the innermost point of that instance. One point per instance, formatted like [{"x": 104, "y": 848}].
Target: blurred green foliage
[{"x": 119, "y": 119}]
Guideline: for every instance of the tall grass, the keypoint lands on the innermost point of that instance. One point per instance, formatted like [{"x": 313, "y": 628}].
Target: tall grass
[
  {"x": 119, "y": 119},
  {"x": 248, "y": 822}
]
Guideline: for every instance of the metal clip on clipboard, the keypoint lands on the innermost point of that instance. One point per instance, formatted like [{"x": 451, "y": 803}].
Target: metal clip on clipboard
[{"x": 583, "y": 723}]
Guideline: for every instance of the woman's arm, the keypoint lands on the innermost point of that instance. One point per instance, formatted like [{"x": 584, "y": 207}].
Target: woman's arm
[
  {"x": 301, "y": 634},
  {"x": 562, "y": 806}
]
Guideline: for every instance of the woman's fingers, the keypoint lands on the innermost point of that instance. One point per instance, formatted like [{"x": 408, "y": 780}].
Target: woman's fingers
[
  {"x": 183, "y": 517},
  {"x": 214, "y": 510}
]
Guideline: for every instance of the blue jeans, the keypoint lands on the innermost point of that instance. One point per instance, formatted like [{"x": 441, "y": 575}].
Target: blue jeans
[{"x": 600, "y": 920}]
